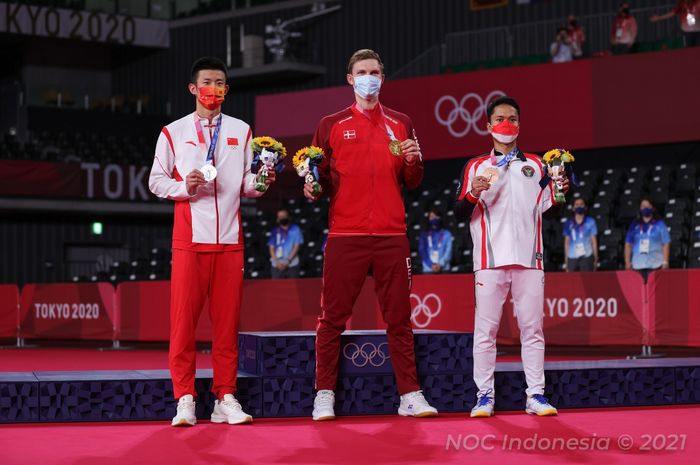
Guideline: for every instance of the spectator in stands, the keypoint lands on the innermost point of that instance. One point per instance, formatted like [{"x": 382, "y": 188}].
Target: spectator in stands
[
  {"x": 647, "y": 243},
  {"x": 577, "y": 35},
  {"x": 285, "y": 240},
  {"x": 688, "y": 12},
  {"x": 435, "y": 245},
  {"x": 580, "y": 240},
  {"x": 624, "y": 31},
  {"x": 562, "y": 49}
]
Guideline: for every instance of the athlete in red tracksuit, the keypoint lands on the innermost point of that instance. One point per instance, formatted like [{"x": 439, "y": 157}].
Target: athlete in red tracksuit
[
  {"x": 367, "y": 230},
  {"x": 207, "y": 236}
]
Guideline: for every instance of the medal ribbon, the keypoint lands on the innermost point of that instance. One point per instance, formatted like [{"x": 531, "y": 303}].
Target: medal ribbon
[
  {"x": 214, "y": 137},
  {"x": 506, "y": 158}
]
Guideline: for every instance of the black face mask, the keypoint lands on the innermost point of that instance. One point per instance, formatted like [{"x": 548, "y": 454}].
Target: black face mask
[
  {"x": 283, "y": 221},
  {"x": 573, "y": 23},
  {"x": 435, "y": 223},
  {"x": 625, "y": 12}
]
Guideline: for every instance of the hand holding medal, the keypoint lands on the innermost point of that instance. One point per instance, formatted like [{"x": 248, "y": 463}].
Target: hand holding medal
[
  {"x": 306, "y": 162},
  {"x": 267, "y": 157},
  {"x": 408, "y": 150}
]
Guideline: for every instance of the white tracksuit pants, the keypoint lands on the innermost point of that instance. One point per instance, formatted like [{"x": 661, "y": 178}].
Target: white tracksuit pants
[{"x": 527, "y": 289}]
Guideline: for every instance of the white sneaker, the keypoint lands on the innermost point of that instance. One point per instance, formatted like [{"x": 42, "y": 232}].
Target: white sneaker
[
  {"x": 540, "y": 406},
  {"x": 323, "y": 405},
  {"x": 229, "y": 411},
  {"x": 484, "y": 406},
  {"x": 185, "y": 412},
  {"x": 414, "y": 404}
]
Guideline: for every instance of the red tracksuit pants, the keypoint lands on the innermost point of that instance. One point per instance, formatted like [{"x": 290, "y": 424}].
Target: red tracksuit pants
[
  {"x": 196, "y": 276},
  {"x": 346, "y": 263}
]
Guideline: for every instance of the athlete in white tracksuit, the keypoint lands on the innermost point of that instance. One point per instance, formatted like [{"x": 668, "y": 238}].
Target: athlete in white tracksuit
[{"x": 506, "y": 192}]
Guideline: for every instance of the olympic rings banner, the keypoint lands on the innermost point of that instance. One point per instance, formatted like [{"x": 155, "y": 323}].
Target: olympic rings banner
[
  {"x": 601, "y": 308},
  {"x": 574, "y": 105},
  {"x": 9, "y": 310},
  {"x": 68, "y": 311}
]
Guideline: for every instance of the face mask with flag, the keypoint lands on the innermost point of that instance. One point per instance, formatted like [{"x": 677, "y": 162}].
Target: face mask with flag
[
  {"x": 211, "y": 97},
  {"x": 505, "y": 132}
]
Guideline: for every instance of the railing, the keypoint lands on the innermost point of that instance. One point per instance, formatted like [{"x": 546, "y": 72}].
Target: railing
[
  {"x": 427, "y": 63},
  {"x": 531, "y": 39}
]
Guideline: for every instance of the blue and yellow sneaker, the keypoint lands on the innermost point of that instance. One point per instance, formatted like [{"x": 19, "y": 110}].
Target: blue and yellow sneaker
[
  {"x": 484, "y": 406},
  {"x": 539, "y": 405}
]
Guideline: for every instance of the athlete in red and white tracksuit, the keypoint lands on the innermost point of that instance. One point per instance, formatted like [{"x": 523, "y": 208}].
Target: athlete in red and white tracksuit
[
  {"x": 506, "y": 229},
  {"x": 207, "y": 241}
]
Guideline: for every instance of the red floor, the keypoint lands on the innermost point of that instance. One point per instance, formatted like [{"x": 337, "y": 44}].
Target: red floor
[
  {"x": 64, "y": 359},
  {"x": 580, "y": 437}
]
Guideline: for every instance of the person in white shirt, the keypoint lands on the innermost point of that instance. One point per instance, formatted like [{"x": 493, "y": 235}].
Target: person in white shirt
[
  {"x": 505, "y": 193},
  {"x": 563, "y": 49},
  {"x": 202, "y": 162}
]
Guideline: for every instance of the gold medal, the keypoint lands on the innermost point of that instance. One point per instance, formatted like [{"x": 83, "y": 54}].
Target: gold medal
[
  {"x": 395, "y": 148},
  {"x": 491, "y": 174}
]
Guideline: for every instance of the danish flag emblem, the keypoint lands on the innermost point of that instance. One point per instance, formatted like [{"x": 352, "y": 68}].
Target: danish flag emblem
[{"x": 349, "y": 134}]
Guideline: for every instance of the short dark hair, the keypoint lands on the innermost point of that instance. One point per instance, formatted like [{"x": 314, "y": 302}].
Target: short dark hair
[
  {"x": 207, "y": 63},
  {"x": 648, "y": 199},
  {"x": 435, "y": 211},
  {"x": 364, "y": 54},
  {"x": 505, "y": 100}
]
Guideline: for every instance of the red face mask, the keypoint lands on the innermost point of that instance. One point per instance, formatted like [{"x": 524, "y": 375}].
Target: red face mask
[
  {"x": 505, "y": 132},
  {"x": 211, "y": 96}
]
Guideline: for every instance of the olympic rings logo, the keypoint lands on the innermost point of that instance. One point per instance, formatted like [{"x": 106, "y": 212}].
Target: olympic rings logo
[
  {"x": 367, "y": 353},
  {"x": 469, "y": 113},
  {"x": 424, "y": 310}
]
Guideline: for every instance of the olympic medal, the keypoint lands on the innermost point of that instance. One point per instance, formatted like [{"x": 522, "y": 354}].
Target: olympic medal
[
  {"x": 395, "y": 148},
  {"x": 209, "y": 172},
  {"x": 492, "y": 175}
]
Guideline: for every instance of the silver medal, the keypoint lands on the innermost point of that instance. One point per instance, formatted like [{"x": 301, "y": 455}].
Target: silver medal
[{"x": 209, "y": 172}]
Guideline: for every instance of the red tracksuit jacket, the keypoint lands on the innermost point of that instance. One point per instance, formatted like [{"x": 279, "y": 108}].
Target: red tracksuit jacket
[{"x": 359, "y": 173}]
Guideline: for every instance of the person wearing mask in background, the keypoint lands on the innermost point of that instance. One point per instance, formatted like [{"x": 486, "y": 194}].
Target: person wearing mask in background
[
  {"x": 577, "y": 36},
  {"x": 562, "y": 49},
  {"x": 688, "y": 12},
  {"x": 284, "y": 243},
  {"x": 580, "y": 240},
  {"x": 435, "y": 245},
  {"x": 647, "y": 243},
  {"x": 624, "y": 31}
]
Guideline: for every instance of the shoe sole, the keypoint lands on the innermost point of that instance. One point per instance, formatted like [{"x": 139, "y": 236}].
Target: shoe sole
[
  {"x": 481, "y": 415},
  {"x": 544, "y": 413},
  {"x": 405, "y": 413},
  {"x": 326, "y": 418},
  {"x": 183, "y": 422},
  {"x": 217, "y": 419}
]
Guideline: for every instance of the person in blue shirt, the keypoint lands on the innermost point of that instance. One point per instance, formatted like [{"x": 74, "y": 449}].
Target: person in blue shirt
[
  {"x": 647, "y": 243},
  {"x": 435, "y": 246},
  {"x": 580, "y": 240},
  {"x": 285, "y": 240}
]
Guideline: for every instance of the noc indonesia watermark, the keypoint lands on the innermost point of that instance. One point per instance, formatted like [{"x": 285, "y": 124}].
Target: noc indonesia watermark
[{"x": 538, "y": 442}]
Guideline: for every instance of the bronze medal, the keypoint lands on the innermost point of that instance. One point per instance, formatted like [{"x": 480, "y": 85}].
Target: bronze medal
[{"x": 491, "y": 174}]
